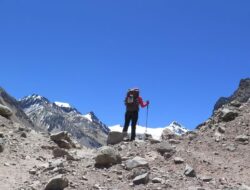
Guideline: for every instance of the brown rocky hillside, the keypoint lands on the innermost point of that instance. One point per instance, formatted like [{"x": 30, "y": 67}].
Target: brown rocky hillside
[{"x": 215, "y": 156}]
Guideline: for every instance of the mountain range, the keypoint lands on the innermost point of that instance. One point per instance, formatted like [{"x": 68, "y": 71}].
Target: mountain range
[
  {"x": 59, "y": 116},
  {"x": 41, "y": 114}
]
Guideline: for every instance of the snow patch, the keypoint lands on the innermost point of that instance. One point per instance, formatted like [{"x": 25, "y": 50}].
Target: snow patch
[
  {"x": 62, "y": 104},
  {"x": 88, "y": 116}
]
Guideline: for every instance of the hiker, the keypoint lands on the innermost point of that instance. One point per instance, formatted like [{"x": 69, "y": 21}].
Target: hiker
[{"x": 132, "y": 102}]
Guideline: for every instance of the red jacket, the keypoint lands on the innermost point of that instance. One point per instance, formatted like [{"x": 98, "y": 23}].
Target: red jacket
[{"x": 142, "y": 104}]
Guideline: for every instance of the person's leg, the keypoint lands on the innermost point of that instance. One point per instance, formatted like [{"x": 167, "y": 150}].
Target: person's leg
[
  {"x": 127, "y": 121},
  {"x": 133, "y": 127}
]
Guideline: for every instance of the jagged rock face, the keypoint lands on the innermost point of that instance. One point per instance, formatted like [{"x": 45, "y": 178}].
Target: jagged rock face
[
  {"x": 17, "y": 113},
  {"x": 242, "y": 94},
  {"x": 89, "y": 131}
]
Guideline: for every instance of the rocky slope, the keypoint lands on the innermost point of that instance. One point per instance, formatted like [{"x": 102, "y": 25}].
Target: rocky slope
[
  {"x": 214, "y": 157},
  {"x": 18, "y": 115},
  {"x": 242, "y": 94},
  {"x": 54, "y": 117}
]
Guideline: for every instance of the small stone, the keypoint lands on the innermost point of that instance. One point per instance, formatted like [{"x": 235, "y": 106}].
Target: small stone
[
  {"x": 189, "y": 171},
  {"x": 178, "y": 160},
  {"x": 32, "y": 171},
  {"x": 141, "y": 179},
  {"x": 136, "y": 162},
  {"x": 1, "y": 145},
  {"x": 231, "y": 147},
  {"x": 131, "y": 184},
  {"x": 206, "y": 179},
  {"x": 221, "y": 129},
  {"x": 242, "y": 138},
  {"x": 84, "y": 178},
  {"x": 120, "y": 177},
  {"x": 96, "y": 186},
  {"x": 21, "y": 129},
  {"x": 24, "y": 135},
  {"x": 157, "y": 180}
]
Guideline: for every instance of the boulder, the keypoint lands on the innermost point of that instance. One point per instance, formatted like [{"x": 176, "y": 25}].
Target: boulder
[
  {"x": 57, "y": 183},
  {"x": 115, "y": 137},
  {"x": 107, "y": 156},
  {"x": 5, "y": 111},
  {"x": 136, "y": 162},
  {"x": 63, "y": 140},
  {"x": 165, "y": 147},
  {"x": 228, "y": 115},
  {"x": 167, "y": 134},
  {"x": 141, "y": 179}
]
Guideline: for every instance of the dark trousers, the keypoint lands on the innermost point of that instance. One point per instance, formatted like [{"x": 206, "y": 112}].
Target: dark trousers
[{"x": 133, "y": 117}]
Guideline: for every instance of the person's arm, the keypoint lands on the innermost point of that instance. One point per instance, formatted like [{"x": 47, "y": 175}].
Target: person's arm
[{"x": 142, "y": 104}]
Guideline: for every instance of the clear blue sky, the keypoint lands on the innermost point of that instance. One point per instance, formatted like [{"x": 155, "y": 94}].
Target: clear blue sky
[{"x": 183, "y": 55}]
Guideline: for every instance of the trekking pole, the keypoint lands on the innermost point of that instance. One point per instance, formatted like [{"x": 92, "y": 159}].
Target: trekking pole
[{"x": 147, "y": 120}]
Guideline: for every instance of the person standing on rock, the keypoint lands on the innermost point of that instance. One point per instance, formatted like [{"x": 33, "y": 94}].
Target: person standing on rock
[{"x": 132, "y": 102}]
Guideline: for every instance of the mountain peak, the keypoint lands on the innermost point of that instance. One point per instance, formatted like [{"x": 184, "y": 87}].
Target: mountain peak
[
  {"x": 177, "y": 128},
  {"x": 34, "y": 99}
]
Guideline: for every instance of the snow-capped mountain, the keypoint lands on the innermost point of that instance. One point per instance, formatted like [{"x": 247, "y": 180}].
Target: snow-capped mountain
[
  {"x": 156, "y": 133},
  {"x": 60, "y": 116},
  {"x": 177, "y": 128}
]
